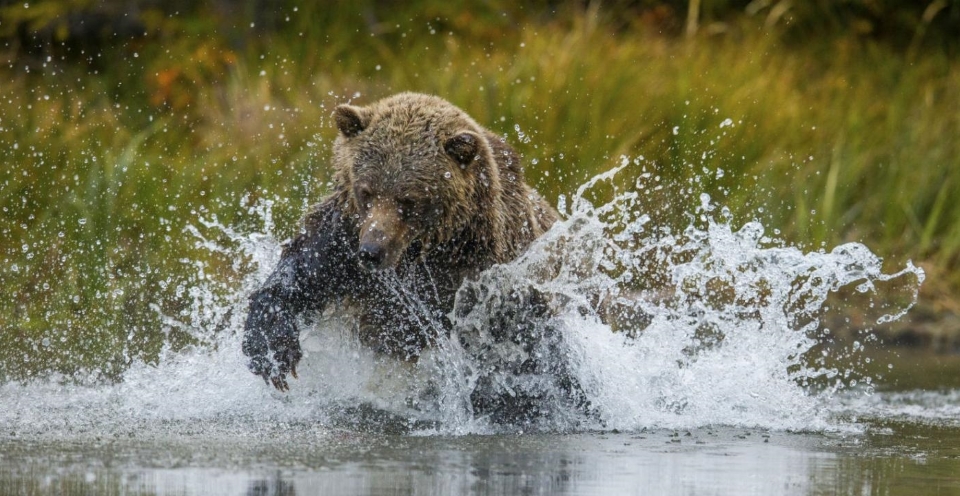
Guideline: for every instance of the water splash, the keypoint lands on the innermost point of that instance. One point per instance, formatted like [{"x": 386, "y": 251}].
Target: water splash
[
  {"x": 712, "y": 324},
  {"x": 715, "y": 324}
]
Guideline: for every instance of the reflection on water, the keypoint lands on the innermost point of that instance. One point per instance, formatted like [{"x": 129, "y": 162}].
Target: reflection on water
[{"x": 887, "y": 459}]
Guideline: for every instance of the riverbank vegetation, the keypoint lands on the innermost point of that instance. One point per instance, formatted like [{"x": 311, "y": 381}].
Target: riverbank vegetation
[{"x": 125, "y": 125}]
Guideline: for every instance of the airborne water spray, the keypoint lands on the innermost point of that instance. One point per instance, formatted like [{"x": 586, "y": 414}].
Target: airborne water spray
[
  {"x": 712, "y": 324},
  {"x": 721, "y": 336}
]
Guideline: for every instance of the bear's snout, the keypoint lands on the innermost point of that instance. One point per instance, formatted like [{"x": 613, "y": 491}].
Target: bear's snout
[
  {"x": 384, "y": 236},
  {"x": 370, "y": 255}
]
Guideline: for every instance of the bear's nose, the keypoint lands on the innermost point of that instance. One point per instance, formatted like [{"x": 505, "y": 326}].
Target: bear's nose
[{"x": 370, "y": 255}]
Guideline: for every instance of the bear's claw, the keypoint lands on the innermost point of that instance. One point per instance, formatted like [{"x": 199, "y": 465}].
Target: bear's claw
[{"x": 280, "y": 383}]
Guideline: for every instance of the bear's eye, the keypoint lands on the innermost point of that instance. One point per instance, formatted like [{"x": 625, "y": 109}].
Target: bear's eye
[{"x": 364, "y": 195}]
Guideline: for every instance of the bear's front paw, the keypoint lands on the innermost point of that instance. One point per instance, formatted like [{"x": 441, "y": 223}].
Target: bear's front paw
[
  {"x": 271, "y": 339},
  {"x": 275, "y": 371},
  {"x": 286, "y": 358}
]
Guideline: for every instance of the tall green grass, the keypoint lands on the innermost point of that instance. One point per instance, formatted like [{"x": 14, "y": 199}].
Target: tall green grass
[{"x": 109, "y": 156}]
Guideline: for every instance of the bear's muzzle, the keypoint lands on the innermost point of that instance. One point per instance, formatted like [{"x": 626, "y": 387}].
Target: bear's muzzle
[{"x": 384, "y": 236}]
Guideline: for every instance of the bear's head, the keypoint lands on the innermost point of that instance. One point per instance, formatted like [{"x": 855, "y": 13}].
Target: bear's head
[{"x": 416, "y": 169}]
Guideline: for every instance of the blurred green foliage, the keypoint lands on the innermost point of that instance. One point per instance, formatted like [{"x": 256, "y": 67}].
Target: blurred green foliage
[{"x": 123, "y": 125}]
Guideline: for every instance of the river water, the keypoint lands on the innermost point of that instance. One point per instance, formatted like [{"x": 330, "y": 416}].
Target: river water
[
  {"x": 910, "y": 455},
  {"x": 701, "y": 350}
]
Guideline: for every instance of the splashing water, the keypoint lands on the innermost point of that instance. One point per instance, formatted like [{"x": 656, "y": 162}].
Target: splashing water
[{"x": 714, "y": 325}]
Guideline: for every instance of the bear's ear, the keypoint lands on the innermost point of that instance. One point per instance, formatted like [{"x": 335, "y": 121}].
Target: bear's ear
[
  {"x": 463, "y": 147},
  {"x": 350, "y": 120}
]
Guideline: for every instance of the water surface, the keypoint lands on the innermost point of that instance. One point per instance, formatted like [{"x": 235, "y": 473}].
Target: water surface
[{"x": 888, "y": 458}]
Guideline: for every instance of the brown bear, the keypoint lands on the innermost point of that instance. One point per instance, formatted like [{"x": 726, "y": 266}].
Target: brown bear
[{"x": 423, "y": 198}]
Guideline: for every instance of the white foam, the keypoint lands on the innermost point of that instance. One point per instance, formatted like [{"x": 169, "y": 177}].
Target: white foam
[{"x": 713, "y": 324}]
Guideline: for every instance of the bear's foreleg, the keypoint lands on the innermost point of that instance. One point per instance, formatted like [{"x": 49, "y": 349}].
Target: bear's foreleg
[
  {"x": 316, "y": 268},
  {"x": 271, "y": 338}
]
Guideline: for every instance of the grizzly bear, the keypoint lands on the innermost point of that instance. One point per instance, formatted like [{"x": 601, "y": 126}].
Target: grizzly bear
[{"x": 423, "y": 198}]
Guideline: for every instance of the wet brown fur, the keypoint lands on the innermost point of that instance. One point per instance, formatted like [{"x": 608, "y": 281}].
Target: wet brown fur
[
  {"x": 479, "y": 214},
  {"x": 407, "y": 187},
  {"x": 424, "y": 198}
]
